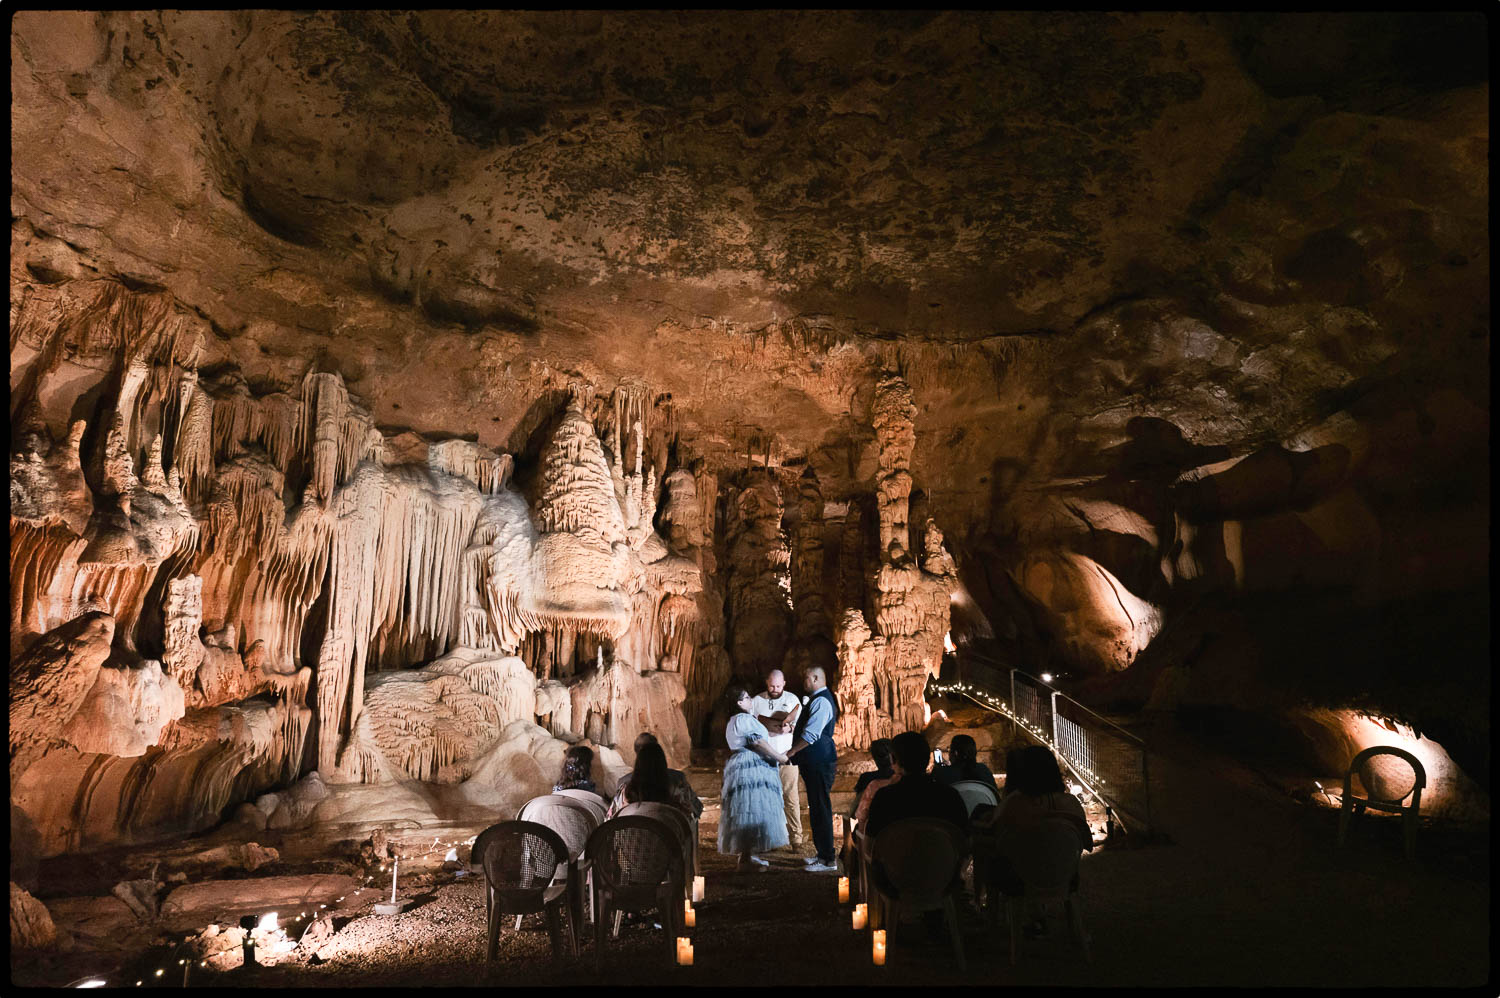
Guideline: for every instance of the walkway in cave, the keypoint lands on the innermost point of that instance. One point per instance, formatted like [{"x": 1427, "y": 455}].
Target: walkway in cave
[{"x": 1245, "y": 889}]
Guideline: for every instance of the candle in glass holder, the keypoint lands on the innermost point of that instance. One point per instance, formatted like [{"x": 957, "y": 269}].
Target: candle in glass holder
[
  {"x": 843, "y": 890},
  {"x": 697, "y": 889},
  {"x": 859, "y": 916},
  {"x": 684, "y": 951},
  {"x": 689, "y": 916},
  {"x": 877, "y": 942}
]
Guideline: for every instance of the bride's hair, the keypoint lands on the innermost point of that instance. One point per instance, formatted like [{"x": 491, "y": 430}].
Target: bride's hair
[{"x": 735, "y": 692}]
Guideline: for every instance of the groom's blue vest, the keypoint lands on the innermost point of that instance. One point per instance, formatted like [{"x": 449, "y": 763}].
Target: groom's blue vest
[{"x": 821, "y": 750}]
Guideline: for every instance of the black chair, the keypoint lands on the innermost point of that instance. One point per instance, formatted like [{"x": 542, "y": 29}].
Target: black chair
[
  {"x": 638, "y": 865},
  {"x": 519, "y": 859}
]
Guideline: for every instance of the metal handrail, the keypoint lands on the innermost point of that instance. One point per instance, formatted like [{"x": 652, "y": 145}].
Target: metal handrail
[
  {"x": 1008, "y": 708},
  {"x": 1096, "y": 714}
]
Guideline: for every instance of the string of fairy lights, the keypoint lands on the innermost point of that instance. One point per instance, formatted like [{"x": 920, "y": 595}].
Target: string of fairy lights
[
  {"x": 978, "y": 695},
  {"x": 270, "y": 920}
]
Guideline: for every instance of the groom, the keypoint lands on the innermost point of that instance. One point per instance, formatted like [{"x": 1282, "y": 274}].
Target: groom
[{"x": 812, "y": 752}]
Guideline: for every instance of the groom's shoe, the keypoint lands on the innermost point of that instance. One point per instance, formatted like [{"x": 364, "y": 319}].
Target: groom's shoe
[
  {"x": 810, "y": 860},
  {"x": 818, "y": 866}
]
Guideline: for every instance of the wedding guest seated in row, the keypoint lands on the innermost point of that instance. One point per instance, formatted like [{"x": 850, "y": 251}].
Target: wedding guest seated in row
[
  {"x": 651, "y": 781},
  {"x": 964, "y": 764},
  {"x": 1034, "y": 793},
  {"x": 577, "y": 772},
  {"x": 680, "y": 792},
  {"x": 916, "y": 794},
  {"x": 865, "y": 789}
]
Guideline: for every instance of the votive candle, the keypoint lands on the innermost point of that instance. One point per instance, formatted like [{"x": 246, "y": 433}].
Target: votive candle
[
  {"x": 843, "y": 890},
  {"x": 859, "y": 916},
  {"x": 689, "y": 916},
  {"x": 877, "y": 943}
]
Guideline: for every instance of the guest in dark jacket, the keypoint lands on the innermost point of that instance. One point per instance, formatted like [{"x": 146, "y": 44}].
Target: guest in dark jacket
[
  {"x": 916, "y": 794},
  {"x": 965, "y": 764}
]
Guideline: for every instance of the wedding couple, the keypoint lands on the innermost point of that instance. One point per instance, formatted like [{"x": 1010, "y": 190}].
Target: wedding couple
[{"x": 758, "y": 803}]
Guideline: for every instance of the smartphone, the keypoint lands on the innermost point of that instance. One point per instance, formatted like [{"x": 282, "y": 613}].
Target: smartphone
[{"x": 937, "y": 757}]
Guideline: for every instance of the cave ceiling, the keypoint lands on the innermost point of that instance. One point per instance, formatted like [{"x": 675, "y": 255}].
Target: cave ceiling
[{"x": 1053, "y": 225}]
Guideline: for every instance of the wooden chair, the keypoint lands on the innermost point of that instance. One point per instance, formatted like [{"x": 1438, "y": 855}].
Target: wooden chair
[
  {"x": 1384, "y": 792},
  {"x": 637, "y": 865},
  {"x": 520, "y": 860}
]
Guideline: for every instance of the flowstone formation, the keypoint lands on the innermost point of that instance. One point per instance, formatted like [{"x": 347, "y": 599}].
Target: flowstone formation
[{"x": 248, "y": 608}]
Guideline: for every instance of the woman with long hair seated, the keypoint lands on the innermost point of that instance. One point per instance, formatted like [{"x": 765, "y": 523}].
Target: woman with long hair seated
[
  {"x": 650, "y": 782},
  {"x": 751, "y": 819},
  {"x": 1034, "y": 793}
]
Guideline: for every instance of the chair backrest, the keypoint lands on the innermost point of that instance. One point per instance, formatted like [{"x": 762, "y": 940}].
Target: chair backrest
[
  {"x": 975, "y": 793},
  {"x": 571, "y": 819},
  {"x": 519, "y": 858},
  {"x": 920, "y": 857},
  {"x": 1043, "y": 853},
  {"x": 1387, "y": 780},
  {"x": 667, "y": 814},
  {"x": 592, "y": 800},
  {"x": 635, "y": 851}
]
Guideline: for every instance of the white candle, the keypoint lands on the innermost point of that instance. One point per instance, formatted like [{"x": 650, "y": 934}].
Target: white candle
[
  {"x": 878, "y": 947},
  {"x": 859, "y": 916},
  {"x": 689, "y": 916},
  {"x": 394, "y": 871},
  {"x": 697, "y": 889},
  {"x": 843, "y": 890},
  {"x": 684, "y": 951}
]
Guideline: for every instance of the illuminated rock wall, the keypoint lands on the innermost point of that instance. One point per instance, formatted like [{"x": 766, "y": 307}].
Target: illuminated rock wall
[{"x": 248, "y": 605}]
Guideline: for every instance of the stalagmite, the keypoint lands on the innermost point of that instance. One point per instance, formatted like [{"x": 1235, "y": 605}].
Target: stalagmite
[{"x": 760, "y": 617}]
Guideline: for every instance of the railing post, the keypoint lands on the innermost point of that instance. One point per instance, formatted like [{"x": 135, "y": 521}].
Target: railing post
[
  {"x": 1015, "y": 707},
  {"x": 1054, "y": 718}
]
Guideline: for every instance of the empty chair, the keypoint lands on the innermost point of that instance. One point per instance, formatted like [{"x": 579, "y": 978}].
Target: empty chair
[
  {"x": 637, "y": 865},
  {"x": 574, "y": 822},
  {"x": 915, "y": 865},
  {"x": 685, "y": 828},
  {"x": 1044, "y": 856},
  {"x": 520, "y": 860},
  {"x": 1386, "y": 789}
]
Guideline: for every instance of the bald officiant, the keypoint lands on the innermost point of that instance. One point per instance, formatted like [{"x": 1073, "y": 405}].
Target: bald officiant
[{"x": 777, "y": 709}]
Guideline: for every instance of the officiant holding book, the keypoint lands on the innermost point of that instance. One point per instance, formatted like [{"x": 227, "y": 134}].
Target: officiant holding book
[{"x": 777, "y": 710}]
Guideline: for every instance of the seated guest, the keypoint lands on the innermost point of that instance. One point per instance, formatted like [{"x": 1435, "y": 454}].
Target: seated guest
[
  {"x": 965, "y": 764},
  {"x": 681, "y": 789},
  {"x": 577, "y": 767},
  {"x": 651, "y": 782},
  {"x": 1034, "y": 793},
  {"x": 865, "y": 789},
  {"x": 916, "y": 794},
  {"x": 880, "y": 754}
]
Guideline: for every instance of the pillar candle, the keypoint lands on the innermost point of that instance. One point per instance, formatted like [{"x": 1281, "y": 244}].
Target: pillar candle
[
  {"x": 859, "y": 916},
  {"x": 843, "y": 890},
  {"x": 697, "y": 889},
  {"x": 877, "y": 942},
  {"x": 689, "y": 916},
  {"x": 684, "y": 951}
]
